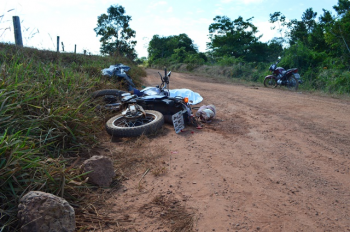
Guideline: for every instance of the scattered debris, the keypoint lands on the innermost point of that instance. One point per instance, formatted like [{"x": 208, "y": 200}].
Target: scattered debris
[{"x": 206, "y": 113}]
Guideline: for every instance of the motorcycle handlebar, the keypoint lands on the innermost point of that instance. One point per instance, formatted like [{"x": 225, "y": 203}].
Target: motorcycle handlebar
[
  {"x": 161, "y": 76},
  {"x": 166, "y": 77}
]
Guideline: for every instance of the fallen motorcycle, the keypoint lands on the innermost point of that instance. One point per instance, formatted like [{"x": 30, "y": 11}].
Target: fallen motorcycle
[
  {"x": 280, "y": 77},
  {"x": 113, "y": 97},
  {"x": 145, "y": 114}
]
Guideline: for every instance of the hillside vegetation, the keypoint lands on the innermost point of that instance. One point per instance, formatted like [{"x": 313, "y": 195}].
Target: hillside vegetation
[{"x": 47, "y": 121}]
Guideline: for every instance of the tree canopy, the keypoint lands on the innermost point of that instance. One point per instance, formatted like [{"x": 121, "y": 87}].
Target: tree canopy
[
  {"x": 116, "y": 34},
  {"x": 237, "y": 38},
  {"x": 175, "y": 47}
]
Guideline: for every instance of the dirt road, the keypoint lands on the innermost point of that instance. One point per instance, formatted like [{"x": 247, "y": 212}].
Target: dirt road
[{"x": 272, "y": 160}]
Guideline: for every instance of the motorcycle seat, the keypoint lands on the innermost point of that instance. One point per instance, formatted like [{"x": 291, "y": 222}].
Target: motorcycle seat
[{"x": 154, "y": 97}]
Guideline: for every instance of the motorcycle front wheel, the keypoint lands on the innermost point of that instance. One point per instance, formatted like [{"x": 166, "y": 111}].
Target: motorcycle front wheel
[
  {"x": 292, "y": 83},
  {"x": 122, "y": 126},
  {"x": 270, "y": 83}
]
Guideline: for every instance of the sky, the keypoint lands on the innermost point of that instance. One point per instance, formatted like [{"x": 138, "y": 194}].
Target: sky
[{"x": 74, "y": 20}]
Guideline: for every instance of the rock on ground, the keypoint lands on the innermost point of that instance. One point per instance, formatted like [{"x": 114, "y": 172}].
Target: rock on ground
[
  {"x": 45, "y": 212},
  {"x": 102, "y": 171}
]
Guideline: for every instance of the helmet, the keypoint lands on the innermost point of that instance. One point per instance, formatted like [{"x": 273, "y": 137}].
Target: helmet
[{"x": 272, "y": 67}]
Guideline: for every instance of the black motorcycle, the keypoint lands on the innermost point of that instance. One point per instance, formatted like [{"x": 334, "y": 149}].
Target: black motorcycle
[
  {"x": 280, "y": 77},
  {"x": 145, "y": 114}
]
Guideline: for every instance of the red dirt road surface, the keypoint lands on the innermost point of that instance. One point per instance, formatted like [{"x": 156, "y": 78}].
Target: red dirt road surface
[{"x": 271, "y": 160}]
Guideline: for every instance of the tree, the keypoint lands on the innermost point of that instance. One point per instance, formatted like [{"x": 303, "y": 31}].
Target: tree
[
  {"x": 234, "y": 38},
  {"x": 280, "y": 19},
  {"x": 300, "y": 30},
  {"x": 116, "y": 34},
  {"x": 343, "y": 7},
  {"x": 338, "y": 32},
  {"x": 176, "y": 47},
  {"x": 308, "y": 18}
]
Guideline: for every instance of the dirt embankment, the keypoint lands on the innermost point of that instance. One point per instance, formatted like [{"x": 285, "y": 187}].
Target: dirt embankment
[{"x": 272, "y": 160}]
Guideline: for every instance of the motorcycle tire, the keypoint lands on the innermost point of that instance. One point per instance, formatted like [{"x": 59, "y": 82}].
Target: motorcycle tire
[
  {"x": 121, "y": 126},
  {"x": 292, "y": 83},
  {"x": 104, "y": 92},
  {"x": 270, "y": 83}
]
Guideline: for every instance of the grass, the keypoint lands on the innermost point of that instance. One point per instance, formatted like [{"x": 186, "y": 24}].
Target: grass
[{"x": 47, "y": 121}]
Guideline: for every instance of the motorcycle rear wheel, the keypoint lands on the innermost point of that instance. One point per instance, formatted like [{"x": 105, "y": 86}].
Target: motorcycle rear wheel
[
  {"x": 270, "y": 83},
  {"x": 292, "y": 83},
  {"x": 103, "y": 92},
  {"x": 122, "y": 126}
]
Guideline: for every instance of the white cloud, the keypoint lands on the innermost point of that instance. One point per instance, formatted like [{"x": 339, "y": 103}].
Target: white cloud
[
  {"x": 160, "y": 3},
  {"x": 264, "y": 28}
]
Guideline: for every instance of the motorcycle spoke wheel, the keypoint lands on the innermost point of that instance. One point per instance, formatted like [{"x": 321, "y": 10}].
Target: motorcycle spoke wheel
[
  {"x": 270, "y": 83},
  {"x": 121, "y": 126},
  {"x": 102, "y": 103},
  {"x": 125, "y": 122},
  {"x": 292, "y": 83}
]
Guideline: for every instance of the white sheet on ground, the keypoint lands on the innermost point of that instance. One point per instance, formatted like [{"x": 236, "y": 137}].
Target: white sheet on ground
[{"x": 192, "y": 96}]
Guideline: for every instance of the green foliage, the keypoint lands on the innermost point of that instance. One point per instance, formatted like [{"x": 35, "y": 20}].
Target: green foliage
[
  {"x": 172, "y": 48},
  {"x": 300, "y": 56},
  {"x": 333, "y": 81},
  {"x": 343, "y": 7},
  {"x": 328, "y": 37},
  {"x": 338, "y": 33},
  {"x": 231, "y": 38},
  {"x": 229, "y": 61},
  {"x": 237, "y": 39},
  {"x": 24, "y": 168},
  {"x": 196, "y": 58},
  {"x": 116, "y": 34}
]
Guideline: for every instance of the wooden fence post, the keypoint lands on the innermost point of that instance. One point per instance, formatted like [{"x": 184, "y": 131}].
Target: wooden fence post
[
  {"x": 75, "y": 49},
  {"x": 84, "y": 52},
  {"x": 62, "y": 46},
  {"x": 17, "y": 31},
  {"x": 58, "y": 43}
]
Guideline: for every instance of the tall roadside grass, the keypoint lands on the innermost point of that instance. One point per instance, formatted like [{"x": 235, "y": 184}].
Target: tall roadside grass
[{"x": 46, "y": 121}]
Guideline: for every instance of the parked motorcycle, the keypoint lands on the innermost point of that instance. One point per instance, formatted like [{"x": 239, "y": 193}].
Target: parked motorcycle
[
  {"x": 146, "y": 114},
  {"x": 280, "y": 77}
]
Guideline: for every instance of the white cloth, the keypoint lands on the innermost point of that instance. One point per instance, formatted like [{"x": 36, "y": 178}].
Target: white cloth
[{"x": 192, "y": 96}]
